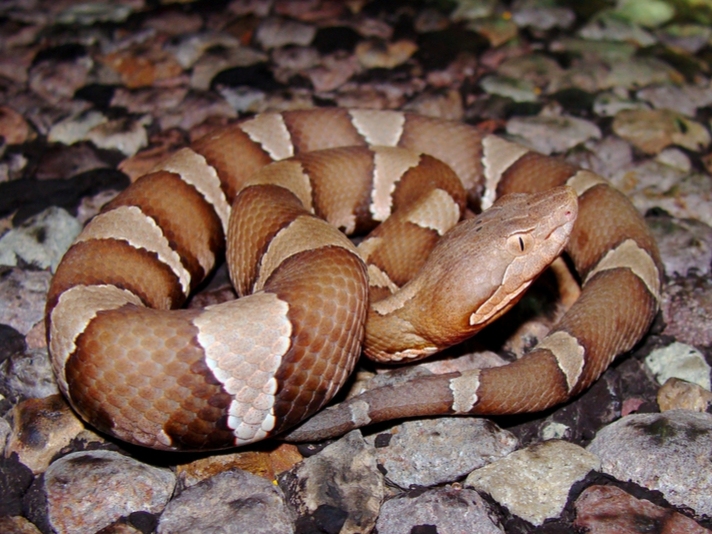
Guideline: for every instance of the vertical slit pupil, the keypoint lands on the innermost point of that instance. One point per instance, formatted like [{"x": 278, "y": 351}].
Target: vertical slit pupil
[{"x": 521, "y": 244}]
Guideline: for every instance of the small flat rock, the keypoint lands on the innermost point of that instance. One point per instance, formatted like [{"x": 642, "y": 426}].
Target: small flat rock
[
  {"x": 541, "y": 15},
  {"x": 75, "y": 128},
  {"x": 646, "y": 13},
  {"x": 535, "y": 68},
  {"x": 679, "y": 360},
  {"x": 376, "y": 54},
  {"x": 447, "y": 106},
  {"x": 603, "y": 156},
  {"x": 264, "y": 463},
  {"x": 143, "y": 67},
  {"x": 63, "y": 160},
  {"x": 653, "y": 184},
  {"x": 174, "y": 22},
  {"x": 17, "y": 525},
  {"x": 40, "y": 240},
  {"x": 443, "y": 510},
  {"x": 13, "y": 126},
  {"x": 148, "y": 99},
  {"x": 497, "y": 30},
  {"x": 191, "y": 47},
  {"x": 340, "y": 486},
  {"x": 334, "y": 70},
  {"x": 678, "y": 394},
  {"x": 211, "y": 63},
  {"x": 637, "y": 72},
  {"x": 687, "y": 310},
  {"x": 688, "y": 37},
  {"x": 88, "y": 13},
  {"x": 652, "y": 130},
  {"x": 28, "y": 374},
  {"x": 608, "y": 26},
  {"x": 684, "y": 99},
  {"x": 5, "y": 431},
  {"x": 608, "y": 104},
  {"x": 23, "y": 294},
  {"x": 87, "y": 491},
  {"x": 534, "y": 483},
  {"x": 665, "y": 452},
  {"x": 549, "y": 133},
  {"x": 608, "y": 51},
  {"x": 196, "y": 109},
  {"x": 515, "y": 88},
  {"x": 473, "y": 9},
  {"x": 232, "y": 502},
  {"x": 608, "y": 509},
  {"x": 56, "y": 81},
  {"x": 126, "y": 135},
  {"x": 274, "y": 32},
  {"x": 42, "y": 428},
  {"x": 434, "y": 451},
  {"x": 15, "y": 478}
]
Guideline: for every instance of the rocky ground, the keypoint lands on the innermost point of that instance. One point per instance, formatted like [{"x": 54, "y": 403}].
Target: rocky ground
[{"x": 93, "y": 94}]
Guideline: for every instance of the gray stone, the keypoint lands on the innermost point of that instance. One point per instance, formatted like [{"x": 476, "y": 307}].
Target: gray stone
[
  {"x": 665, "y": 452},
  {"x": 341, "y": 485},
  {"x": 86, "y": 491},
  {"x": 679, "y": 360},
  {"x": 534, "y": 483},
  {"x": 41, "y": 240},
  {"x": 433, "y": 451},
  {"x": 232, "y": 502},
  {"x": 446, "y": 510}
]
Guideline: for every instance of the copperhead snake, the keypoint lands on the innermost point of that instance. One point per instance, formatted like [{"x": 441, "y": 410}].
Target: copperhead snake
[{"x": 235, "y": 373}]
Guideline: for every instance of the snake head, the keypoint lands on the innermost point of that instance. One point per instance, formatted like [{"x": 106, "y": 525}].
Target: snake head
[{"x": 479, "y": 270}]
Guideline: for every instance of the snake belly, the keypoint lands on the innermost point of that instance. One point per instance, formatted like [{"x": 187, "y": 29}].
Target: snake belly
[{"x": 134, "y": 366}]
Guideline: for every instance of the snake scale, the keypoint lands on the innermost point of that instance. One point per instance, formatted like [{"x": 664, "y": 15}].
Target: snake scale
[{"x": 135, "y": 366}]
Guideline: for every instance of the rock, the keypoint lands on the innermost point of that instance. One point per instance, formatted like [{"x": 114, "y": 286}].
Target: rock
[
  {"x": 15, "y": 478},
  {"x": 28, "y": 374},
  {"x": 76, "y": 127},
  {"x": 434, "y": 451},
  {"x": 41, "y": 240},
  {"x": 687, "y": 310},
  {"x": 684, "y": 99},
  {"x": 652, "y": 130},
  {"x": 376, "y": 54},
  {"x": 548, "y": 134},
  {"x": 55, "y": 81},
  {"x": 264, "y": 463},
  {"x": 442, "y": 510},
  {"x": 94, "y": 12},
  {"x": 17, "y": 525},
  {"x": 339, "y": 489},
  {"x": 534, "y": 483},
  {"x": 87, "y": 491},
  {"x": 607, "y": 509},
  {"x": 663, "y": 452},
  {"x": 517, "y": 89},
  {"x": 42, "y": 428},
  {"x": 688, "y": 37},
  {"x": 678, "y": 394},
  {"x": 274, "y": 32},
  {"x": 608, "y": 26},
  {"x": 13, "y": 126},
  {"x": 679, "y": 360},
  {"x": 541, "y": 15},
  {"x": 232, "y": 502},
  {"x": 685, "y": 245}
]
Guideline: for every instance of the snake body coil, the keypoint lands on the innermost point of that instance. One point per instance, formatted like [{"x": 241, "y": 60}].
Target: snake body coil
[{"x": 134, "y": 366}]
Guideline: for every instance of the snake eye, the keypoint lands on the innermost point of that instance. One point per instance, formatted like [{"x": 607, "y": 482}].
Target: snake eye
[{"x": 519, "y": 243}]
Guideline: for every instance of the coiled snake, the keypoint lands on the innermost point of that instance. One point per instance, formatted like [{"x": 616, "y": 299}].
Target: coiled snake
[{"x": 240, "y": 371}]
